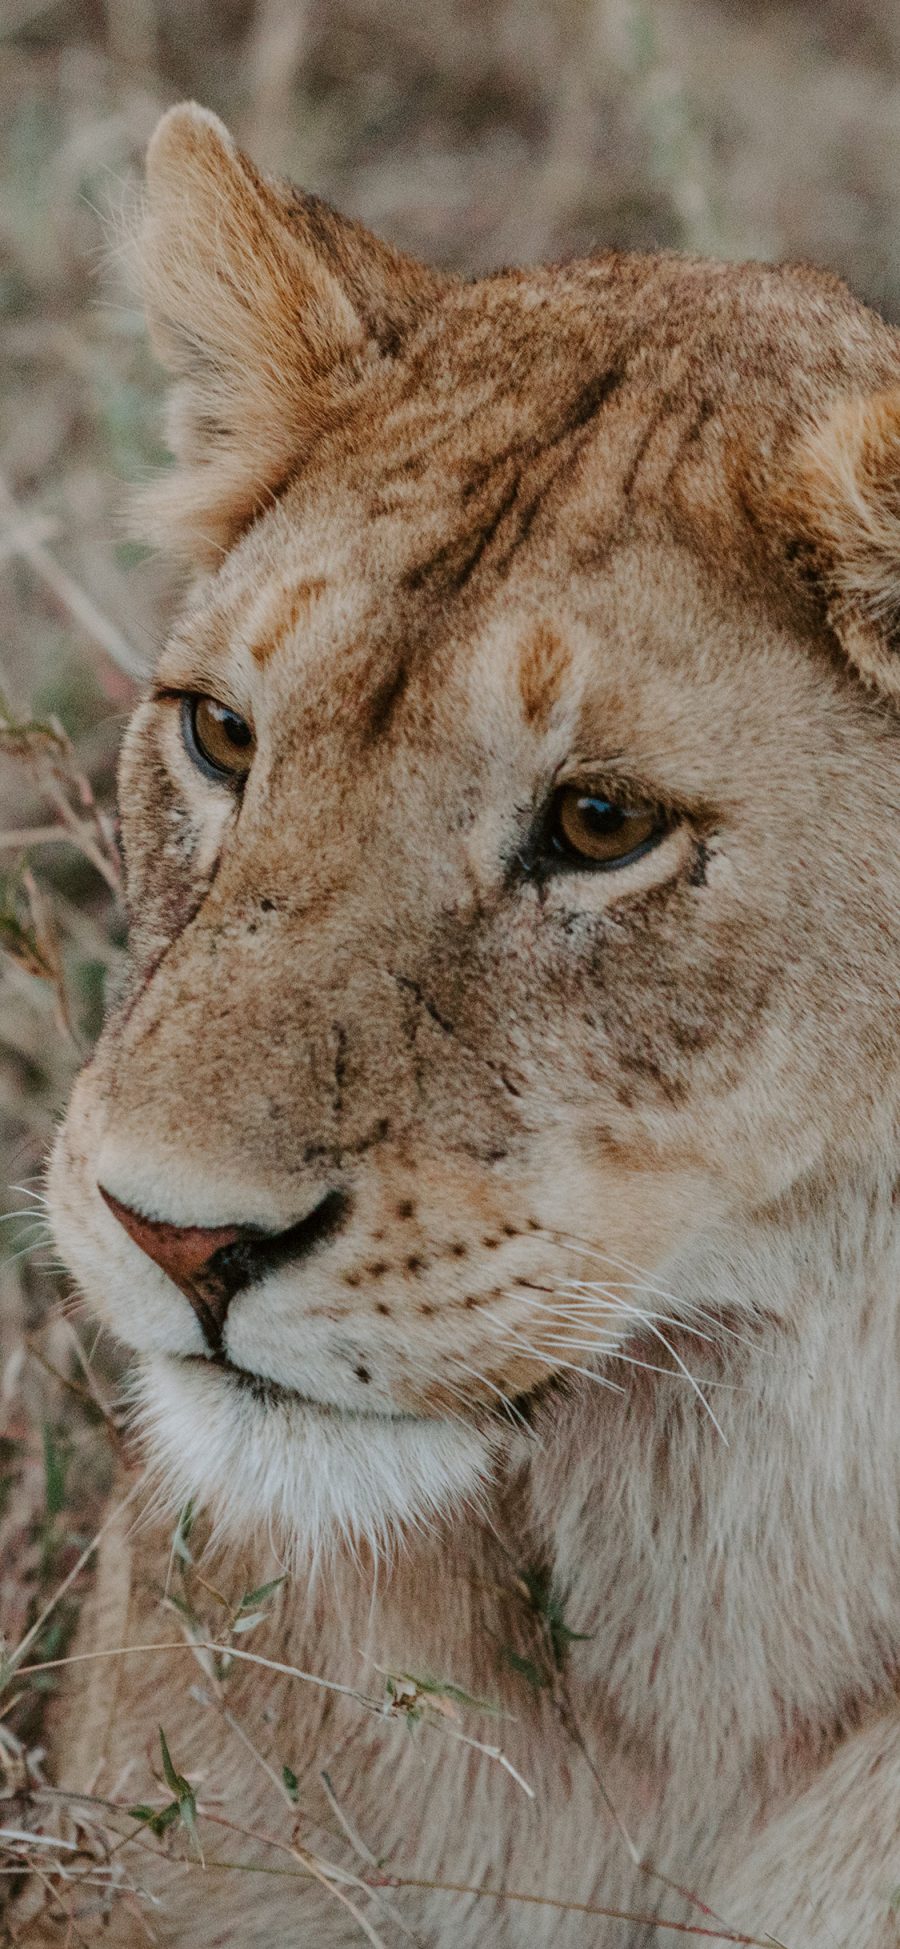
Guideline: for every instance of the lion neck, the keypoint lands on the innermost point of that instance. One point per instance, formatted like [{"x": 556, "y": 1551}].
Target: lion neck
[{"x": 739, "y": 1584}]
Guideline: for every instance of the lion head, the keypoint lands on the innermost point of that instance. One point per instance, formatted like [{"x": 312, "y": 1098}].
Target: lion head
[{"x": 511, "y": 836}]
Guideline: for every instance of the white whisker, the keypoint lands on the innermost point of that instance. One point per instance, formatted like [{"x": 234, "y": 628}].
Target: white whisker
[
  {"x": 508, "y": 1406},
  {"x": 556, "y": 1316},
  {"x": 646, "y": 1282},
  {"x": 647, "y": 1366},
  {"x": 660, "y": 1336},
  {"x": 518, "y": 1345}
]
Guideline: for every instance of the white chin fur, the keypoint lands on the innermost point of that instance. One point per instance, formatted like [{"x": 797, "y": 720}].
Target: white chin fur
[{"x": 311, "y": 1479}]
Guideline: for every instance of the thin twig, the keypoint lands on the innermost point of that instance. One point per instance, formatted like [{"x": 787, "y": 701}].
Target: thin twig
[
  {"x": 268, "y": 1664},
  {"x": 73, "y": 597},
  {"x": 13, "y": 1662},
  {"x": 14, "y": 842},
  {"x": 352, "y": 1833},
  {"x": 580, "y": 1908}
]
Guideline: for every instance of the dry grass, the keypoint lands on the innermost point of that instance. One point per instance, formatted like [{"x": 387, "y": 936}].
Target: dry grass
[{"x": 471, "y": 130}]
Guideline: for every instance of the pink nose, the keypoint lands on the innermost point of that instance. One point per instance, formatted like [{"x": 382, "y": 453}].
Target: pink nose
[
  {"x": 211, "y": 1263},
  {"x": 188, "y": 1254}
]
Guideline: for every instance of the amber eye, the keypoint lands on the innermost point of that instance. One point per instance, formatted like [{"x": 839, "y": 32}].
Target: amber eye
[
  {"x": 594, "y": 831},
  {"x": 220, "y": 742}
]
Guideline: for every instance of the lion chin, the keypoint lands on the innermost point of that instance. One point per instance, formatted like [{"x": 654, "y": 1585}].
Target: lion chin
[{"x": 313, "y": 1478}]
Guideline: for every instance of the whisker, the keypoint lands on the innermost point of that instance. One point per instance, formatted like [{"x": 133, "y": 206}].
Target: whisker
[
  {"x": 660, "y": 1336},
  {"x": 647, "y": 1366},
  {"x": 638, "y": 1314},
  {"x": 550, "y": 1314},
  {"x": 584, "y": 1287},
  {"x": 581, "y": 1295},
  {"x": 632, "y": 1312},
  {"x": 647, "y": 1283},
  {"x": 602, "y": 1344},
  {"x": 518, "y": 1345},
  {"x": 27, "y": 1252},
  {"x": 661, "y": 1292},
  {"x": 508, "y": 1406},
  {"x": 95, "y": 1342}
]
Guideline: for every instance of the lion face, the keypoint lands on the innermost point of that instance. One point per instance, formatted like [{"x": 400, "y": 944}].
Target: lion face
[{"x": 511, "y": 876}]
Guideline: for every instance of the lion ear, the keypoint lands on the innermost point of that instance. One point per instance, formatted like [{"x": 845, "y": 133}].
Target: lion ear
[
  {"x": 845, "y": 503},
  {"x": 264, "y": 305}
]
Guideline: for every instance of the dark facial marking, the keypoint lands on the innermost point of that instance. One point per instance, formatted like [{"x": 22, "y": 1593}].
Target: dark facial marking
[
  {"x": 425, "y": 1002},
  {"x": 387, "y": 697},
  {"x": 507, "y": 500},
  {"x": 697, "y": 872}
]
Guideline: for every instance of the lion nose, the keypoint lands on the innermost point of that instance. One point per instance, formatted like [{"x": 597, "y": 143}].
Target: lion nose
[{"x": 211, "y": 1263}]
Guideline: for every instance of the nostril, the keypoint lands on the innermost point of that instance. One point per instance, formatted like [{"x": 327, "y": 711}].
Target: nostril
[
  {"x": 181, "y": 1250},
  {"x": 211, "y": 1263}
]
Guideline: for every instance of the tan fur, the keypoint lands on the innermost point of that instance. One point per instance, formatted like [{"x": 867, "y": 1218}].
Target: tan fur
[
  {"x": 848, "y": 487},
  {"x": 614, "y": 1293}
]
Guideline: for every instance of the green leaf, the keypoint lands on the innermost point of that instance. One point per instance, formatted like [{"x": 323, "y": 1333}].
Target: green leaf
[
  {"x": 253, "y": 1597},
  {"x": 547, "y": 1600},
  {"x": 185, "y": 1802},
  {"x": 525, "y": 1668},
  {"x": 175, "y": 1780},
  {"x": 184, "y": 1610},
  {"x": 443, "y": 1688},
  {"x": 291, "y": 1782},
  {"x": 187, "y": 1808},
  {"x": 156, "y": 1818}
]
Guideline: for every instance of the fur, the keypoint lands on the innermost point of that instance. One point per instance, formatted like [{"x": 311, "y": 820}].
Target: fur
[{"x": 612, "y": 1309}]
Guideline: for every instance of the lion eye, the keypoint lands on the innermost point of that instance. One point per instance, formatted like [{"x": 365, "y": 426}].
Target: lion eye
[
  {"x": 593, "y": 831},
  {"x": 220, "y": 742}
]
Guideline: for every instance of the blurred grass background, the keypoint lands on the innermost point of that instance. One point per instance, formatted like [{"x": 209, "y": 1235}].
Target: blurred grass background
[{"x": 472, "y": 131}]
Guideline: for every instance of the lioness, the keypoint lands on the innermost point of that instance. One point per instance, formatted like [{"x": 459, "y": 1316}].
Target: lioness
[{"x": 491, "y": 1159}]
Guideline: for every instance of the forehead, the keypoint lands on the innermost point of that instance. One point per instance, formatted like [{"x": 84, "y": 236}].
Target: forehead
[{"x": 555, "y": 460}]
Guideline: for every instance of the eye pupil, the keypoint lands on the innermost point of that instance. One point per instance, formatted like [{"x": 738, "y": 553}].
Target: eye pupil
[
  {"x": 236, "y": 729},
  {"x": 601, "y": 816}
]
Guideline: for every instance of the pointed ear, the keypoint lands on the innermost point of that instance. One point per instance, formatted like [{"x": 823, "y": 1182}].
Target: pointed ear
[
  {"x": 844, "y": 499},
  {"x": 264, "y": 306}
]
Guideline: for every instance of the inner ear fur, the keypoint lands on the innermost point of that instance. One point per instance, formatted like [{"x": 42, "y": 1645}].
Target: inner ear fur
[
  {"x": 844, "y": 501},
  {"x": 265, "y": 306}
]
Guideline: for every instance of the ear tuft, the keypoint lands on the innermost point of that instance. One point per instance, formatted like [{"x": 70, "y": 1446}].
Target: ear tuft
[
  {"x": 844, "y": 495},
  {"x": 185, "y": 129},
  {"x": 257, "y": 331}
]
